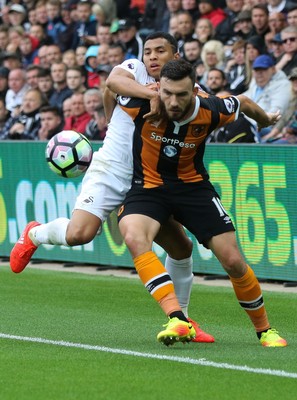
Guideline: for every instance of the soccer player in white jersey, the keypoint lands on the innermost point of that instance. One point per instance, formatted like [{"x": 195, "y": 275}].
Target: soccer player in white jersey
[{"x": 108, "y": 179}]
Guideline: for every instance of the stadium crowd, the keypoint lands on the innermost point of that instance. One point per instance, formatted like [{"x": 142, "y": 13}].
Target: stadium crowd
[{"x": 57, "y": 54}]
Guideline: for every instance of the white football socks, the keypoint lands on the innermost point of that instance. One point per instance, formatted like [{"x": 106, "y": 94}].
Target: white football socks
[
  {"x": 181, "y": 274},
  {"x": 53, "y": 232}
]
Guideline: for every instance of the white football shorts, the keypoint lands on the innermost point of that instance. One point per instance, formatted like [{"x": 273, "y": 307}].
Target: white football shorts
[{"x": 103, "y": 187}]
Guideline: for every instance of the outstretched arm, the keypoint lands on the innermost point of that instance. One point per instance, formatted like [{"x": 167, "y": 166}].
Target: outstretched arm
[{"x": 252, "y": 110}]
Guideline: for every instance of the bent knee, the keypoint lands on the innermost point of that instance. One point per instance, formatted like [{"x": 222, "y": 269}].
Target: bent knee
[
  {"x": 78, "y": 235},
  {"x": 235, "y": 266},
  {"x": 137, "y": 244}
]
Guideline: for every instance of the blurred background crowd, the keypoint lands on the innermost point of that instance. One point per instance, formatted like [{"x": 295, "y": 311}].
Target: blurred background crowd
[{"x": 55, "y": 56}]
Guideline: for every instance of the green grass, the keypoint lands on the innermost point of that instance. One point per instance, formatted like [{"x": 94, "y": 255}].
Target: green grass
[{"x": 118, "y": 313}]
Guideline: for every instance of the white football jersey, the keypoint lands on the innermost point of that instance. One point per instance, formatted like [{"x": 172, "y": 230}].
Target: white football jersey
[{"x": 117, "y": 145}]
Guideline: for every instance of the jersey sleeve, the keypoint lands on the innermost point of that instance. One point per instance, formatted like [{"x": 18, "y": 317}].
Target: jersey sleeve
[
  {"x": 134, "y": 67},
  {"x": 229, "y": 109}
]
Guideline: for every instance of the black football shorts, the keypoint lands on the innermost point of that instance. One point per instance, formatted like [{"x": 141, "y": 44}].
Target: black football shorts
[{"x": 197, "y": 206}]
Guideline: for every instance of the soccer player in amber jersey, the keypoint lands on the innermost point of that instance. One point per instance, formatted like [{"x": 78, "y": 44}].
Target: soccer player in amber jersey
[
  {"x": 109, "y": 178},
  {"x": 169, "y": 178}
]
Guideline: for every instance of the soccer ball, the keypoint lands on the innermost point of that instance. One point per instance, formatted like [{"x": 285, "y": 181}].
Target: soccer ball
[{"x": 69, "y": 154}]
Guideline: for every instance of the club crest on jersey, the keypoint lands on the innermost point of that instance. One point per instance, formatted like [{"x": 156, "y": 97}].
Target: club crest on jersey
[
  {"x": 230, "y": 105},
  {"x": 170, "y": 151},
  {"x": 197, "y": 130}
]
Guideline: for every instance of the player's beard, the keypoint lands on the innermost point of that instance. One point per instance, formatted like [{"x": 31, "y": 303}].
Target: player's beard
[{"x": 177, "y": 114}]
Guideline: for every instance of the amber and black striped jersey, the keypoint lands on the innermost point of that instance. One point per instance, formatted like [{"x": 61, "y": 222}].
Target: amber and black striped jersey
[{"x": 168, "y": 152}]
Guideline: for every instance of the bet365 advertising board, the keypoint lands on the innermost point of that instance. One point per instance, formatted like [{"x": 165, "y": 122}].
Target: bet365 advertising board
[{"x": 257, "y": 185}]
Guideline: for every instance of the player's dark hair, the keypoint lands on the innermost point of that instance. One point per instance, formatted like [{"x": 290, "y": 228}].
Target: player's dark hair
[
  {"x": 177, "y": 70},
  {"x": 164, "y": 35}
]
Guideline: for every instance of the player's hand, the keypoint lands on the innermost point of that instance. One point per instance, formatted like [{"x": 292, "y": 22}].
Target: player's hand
[
  {"x": 272, "y": 119},
  {"x": 155, "y": 112},
  {"x": 152, "y": 86}
]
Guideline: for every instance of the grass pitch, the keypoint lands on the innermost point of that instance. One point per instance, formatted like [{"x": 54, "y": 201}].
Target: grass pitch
[{"x": 75, "y": 336}]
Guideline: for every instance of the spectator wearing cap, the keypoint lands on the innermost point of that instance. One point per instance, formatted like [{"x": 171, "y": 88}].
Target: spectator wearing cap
[
  {"x": 85, "y": 28},
  {"x": 269, "y": 88},
  {"x": 209, "y": 10},
  {"x": 4, "y": 72},
  {"x": 292, "y": 15},
  {"x": 17, "y": 15},
  {"x": 277, "y": 48},
  {"x": 243, "y": 24},
  {"x": 260, "y": 20},
  {"x": 17, "y": 87},
  {"x": 91, "y": 65},
  {"x": 11, "y": 60},
  {"x": 290, "y": 113},
  {"x": 224, "y": 30},
  {"x": 128, "y": 35},
  {"x": 289, "y": 59}
]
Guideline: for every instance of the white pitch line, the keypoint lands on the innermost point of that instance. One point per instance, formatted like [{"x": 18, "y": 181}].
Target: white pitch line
[{"x": 202, "y": 362}]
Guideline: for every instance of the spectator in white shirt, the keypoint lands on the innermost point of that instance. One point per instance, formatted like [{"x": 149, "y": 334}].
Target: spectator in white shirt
[{"x": 269, "y": 88}]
